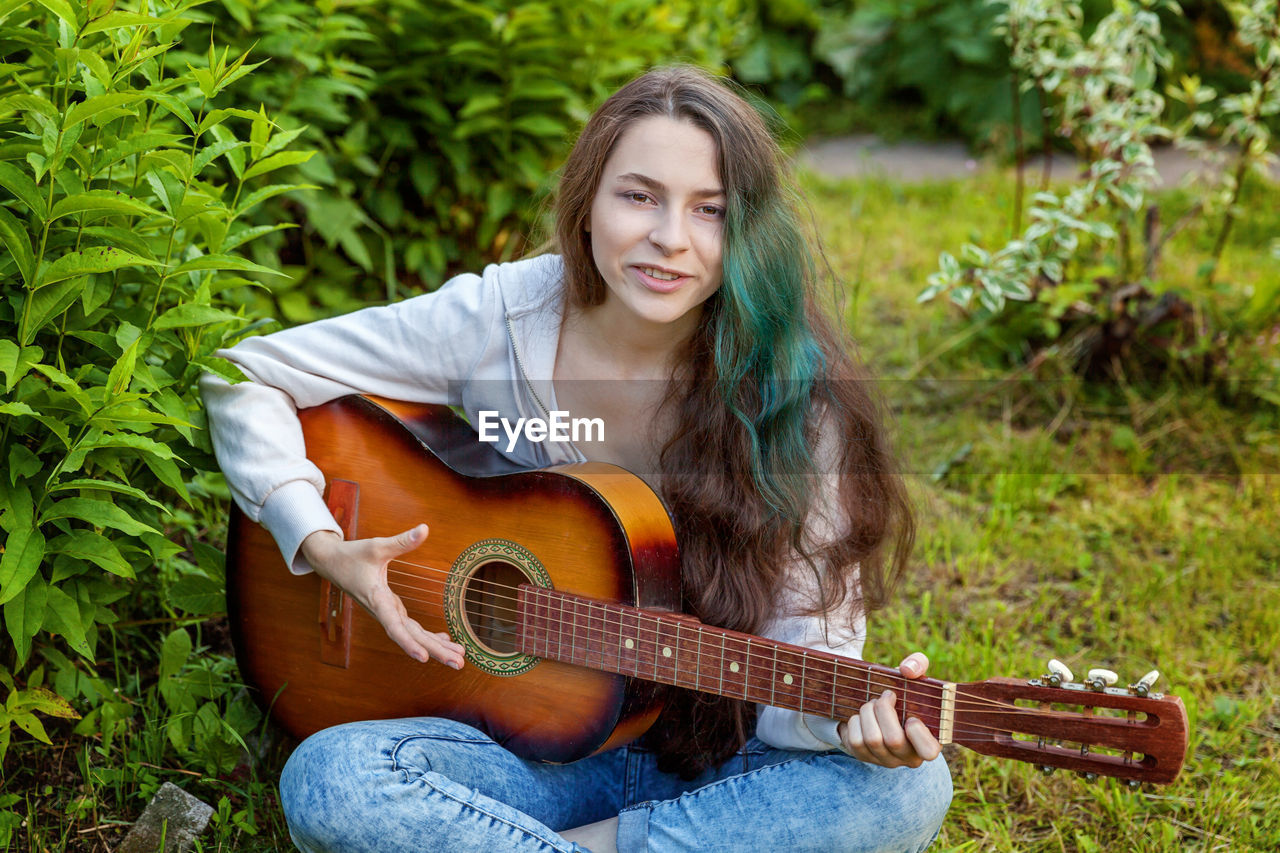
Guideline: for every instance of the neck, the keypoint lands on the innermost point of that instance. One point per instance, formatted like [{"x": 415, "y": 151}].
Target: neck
[
  {"x": 632, "y": 347},
  {"x": 680, "y": 651}
]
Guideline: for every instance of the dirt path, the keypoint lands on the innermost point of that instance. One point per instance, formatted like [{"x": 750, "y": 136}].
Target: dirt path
[{"x": 866, "y": 155}]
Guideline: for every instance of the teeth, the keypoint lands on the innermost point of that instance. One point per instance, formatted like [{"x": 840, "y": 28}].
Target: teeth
[{"x": 659, "y": 274}]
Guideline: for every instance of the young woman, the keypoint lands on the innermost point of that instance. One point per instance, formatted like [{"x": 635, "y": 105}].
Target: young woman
[{"x": 681, "y": 311}]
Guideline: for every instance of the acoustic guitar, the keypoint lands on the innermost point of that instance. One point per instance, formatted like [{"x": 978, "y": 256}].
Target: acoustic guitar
[{"x": 563, "y": 586}]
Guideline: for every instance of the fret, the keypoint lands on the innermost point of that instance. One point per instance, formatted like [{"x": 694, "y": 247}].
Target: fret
[
  {"x": 773, "y": 682},
  {"x": 697, "y": 667},
  {"x": 625, "y": 642},
  {"x": 573, "y": 633},
  {"x": 746, "y": 669},
  {"x": 720, "y": 689}
]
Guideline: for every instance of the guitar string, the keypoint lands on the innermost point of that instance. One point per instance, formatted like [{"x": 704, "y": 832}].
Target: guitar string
[
  {"x": 958, "y": 729},
  {"x": 970, "y": 701}
]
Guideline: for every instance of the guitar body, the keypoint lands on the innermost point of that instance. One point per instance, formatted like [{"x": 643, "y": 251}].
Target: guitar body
[{"x": 592, "y": 529}]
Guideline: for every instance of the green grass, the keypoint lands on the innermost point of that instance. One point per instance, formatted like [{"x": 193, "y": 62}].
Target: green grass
[
  {"x": 1094, "y": 524},
  {"x": 1099, "y": 525}
]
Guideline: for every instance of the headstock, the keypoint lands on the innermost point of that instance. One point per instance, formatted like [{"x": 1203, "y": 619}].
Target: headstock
[{"x": 1091, "y": 727}]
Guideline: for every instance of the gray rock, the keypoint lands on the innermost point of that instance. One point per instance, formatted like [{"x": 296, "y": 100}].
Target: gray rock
[{"x": 172, "y": 815}]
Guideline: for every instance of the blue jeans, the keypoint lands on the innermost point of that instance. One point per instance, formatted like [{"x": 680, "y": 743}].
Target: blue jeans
[{"x": 427, "y": 784}]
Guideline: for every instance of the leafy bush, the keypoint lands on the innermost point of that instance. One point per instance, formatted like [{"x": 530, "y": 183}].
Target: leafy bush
[
  {"x": 123, "y": 199},
  {"x": 1087, "y": 266}
]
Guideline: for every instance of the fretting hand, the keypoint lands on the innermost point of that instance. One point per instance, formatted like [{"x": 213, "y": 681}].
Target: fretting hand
[
  {"x": 874, "y": 734},
  {"x": 359, "y": 568}
]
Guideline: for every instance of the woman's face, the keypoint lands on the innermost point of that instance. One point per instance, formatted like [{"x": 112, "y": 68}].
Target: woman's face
[{"x": 657, "y": 222}]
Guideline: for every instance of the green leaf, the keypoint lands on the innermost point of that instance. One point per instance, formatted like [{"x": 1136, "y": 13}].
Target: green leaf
[
  {"x": 14, "y": 236},
  {"x": 277, "y": 161},
  {"x": 245, "y": 235},
  {"x": 22, "y": 462},
  {"x": 258, "y": 196},
  {"x": 62, "y": 616},
  {"x": 87, "y": 109},
  {"x": 24, "y": 614},
  {"x": 28, "y": 103},
  {"x": 88, "y": 546},
  {"x": 63, "y": 10},
  {"x": 15, "y": 361},
  {"x": 108, "y": 486},
  {"x": 23, "y": 188},
  {"x": 47, "y": 302},
  {"x": 8, "y": 7},
  {"x": 44, "y": 701},
  {"x": 103, "y": 201},
  {"x": 280, "y": 140},
  {"x": 216, "y": 117},
  {"x": 134, "y": 145},
  {"x": 540, "y": 125},
  {"x": 198, "y": 594},
  {"x": 92, "y": 260},
  {"x": 29, "y": 723},
  {"x": 174, "y": 652},
  {"x": 23, "y": 551},
  {"x": 122, "y": 440},
  {"x": 175, "y": 106},
  {"x": 116, "y": 20},
  {"x": 213, "y": 152},
  {"x": 99, "y": 513},
  {"x": 16, "y": 409},
  {"x": 192, "y": 314},
  {"x": 223, "y": 262},
  {"x": 167, "y": 472}
]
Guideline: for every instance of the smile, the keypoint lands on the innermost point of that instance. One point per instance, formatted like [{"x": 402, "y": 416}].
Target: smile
[{"x": 660, "y": 274}]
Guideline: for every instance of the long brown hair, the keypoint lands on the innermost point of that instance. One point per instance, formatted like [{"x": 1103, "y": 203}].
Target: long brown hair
[{"x": 765, "y": 382}]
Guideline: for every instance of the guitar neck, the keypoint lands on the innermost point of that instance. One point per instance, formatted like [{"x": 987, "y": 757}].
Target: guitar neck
[{"x": 680, "y": 651}]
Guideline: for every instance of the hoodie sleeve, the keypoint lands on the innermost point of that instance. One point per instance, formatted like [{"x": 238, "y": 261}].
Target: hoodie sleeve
[{"x": 420, "y": 350}]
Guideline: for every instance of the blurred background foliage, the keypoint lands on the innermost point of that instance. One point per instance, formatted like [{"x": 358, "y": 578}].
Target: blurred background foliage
[{"x": 175, "y": 174}]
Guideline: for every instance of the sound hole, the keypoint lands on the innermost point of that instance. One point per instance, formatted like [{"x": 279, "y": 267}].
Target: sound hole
[{"x": 489, "y": 603}]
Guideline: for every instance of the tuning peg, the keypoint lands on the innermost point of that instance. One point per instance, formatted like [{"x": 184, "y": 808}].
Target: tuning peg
[
  {"x": 1133, "y": 783},
  {"x": 1046, "y": 769},
  {"x": 1059, "y": 674},
  {"x": 1101, "y": 679},
  {"x": 1143, "y": 685},
  {"x": 1086, "y": 775}
]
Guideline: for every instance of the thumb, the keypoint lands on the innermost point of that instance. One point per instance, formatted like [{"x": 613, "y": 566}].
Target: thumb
[
  {"x": 410, "y": 539},
  {"x": 914, "y": 665}
]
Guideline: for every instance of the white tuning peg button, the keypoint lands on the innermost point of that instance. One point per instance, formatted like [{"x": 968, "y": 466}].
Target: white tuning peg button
[
  {"x": 1144, "y": 684},
  {"x": 1059, "y": 670},
  {"x": 1100, "y": 679}
]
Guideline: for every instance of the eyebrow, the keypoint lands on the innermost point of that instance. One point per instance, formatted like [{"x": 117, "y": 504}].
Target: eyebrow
[{"x": 659, "y": 187}]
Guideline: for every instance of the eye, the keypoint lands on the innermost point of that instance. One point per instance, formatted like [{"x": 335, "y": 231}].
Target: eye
[
  {"x": 637, "y": 196},
  {"x": 711, "y": 210}
]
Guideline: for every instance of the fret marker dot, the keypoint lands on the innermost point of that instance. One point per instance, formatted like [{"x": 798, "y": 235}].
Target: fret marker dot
[
  {"x": 666, "y": 651},
  {"x": 787, "y": 679},
  {"x": 733, "y": 667},
  {"x": 629, "y": 643}
]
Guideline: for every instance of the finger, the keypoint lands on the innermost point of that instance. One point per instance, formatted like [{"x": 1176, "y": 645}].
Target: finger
[
  {"x": 925, "y": 744},
  {"x": 872, "y": 737},
  {"x": 404, "y": 542},
  {"x": 440, "y": 645},
  {"x": 914, "y": 665},
  {"x": 892, "y": 736}
]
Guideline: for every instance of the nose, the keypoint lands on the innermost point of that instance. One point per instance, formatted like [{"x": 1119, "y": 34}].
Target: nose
[{"x": 670, "y": 233}]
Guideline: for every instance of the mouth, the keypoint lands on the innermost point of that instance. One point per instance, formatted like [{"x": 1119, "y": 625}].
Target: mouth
[{"x": 659, "y": 278}]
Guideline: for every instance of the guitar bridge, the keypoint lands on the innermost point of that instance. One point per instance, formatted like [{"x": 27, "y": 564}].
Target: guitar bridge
[{"x": 335, "y": 605}]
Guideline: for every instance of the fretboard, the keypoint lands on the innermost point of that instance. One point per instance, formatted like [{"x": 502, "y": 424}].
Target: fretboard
[{"x": 677, "y": 650}]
